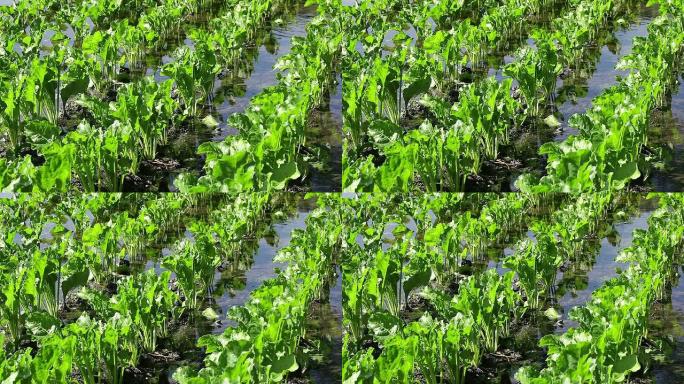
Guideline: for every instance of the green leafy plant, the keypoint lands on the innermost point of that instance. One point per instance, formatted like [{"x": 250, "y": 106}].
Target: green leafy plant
[
  {"x": 148, "y": 301},
  {"x": 146, "y": 109},
  {"x": 193, "y": 73},
  {"x": 194, "y": 266},
  {"x": 536, "y": 265}
]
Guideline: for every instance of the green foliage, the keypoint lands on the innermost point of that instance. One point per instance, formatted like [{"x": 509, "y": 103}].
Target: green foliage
[
  {"x": 149, "y": 303},
  {"x": 145, "y": 109},
  {"x": 604, "y": 347},
  {"x": 193, "y": 73},
  {"x": 194, "y": 265},
  {"x": 606, "y": 154},
  {"x": 536, "y": 265}
]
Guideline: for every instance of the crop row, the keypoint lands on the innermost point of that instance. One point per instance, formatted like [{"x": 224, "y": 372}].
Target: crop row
[
  {"x": 604, "y": 347},
  {"x": 376, "y": 85},
  {"x": 263, "y": 347},
  {"x": 458, "y": 138},
  {"x": 607, "y": 153},
  {"x": 457, "y": 238},
  {"x": 98, "y": 244},
  {"x": 129, "y": 129},
  {"x": 116, "y": 330},
  {"x": 460, "y": 238},
  {"x": 270, "y": 149},
  {"x": 31, "y": 19},
  {"x": 479, "y": 315}
]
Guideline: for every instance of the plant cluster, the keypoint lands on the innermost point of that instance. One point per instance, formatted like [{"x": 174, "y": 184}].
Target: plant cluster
[
  {"x": 604, "y": 347},
  {"x": 460, "y": 328},
  {"x": 74, "y": 246},
  {"x": 607, "y": 152},
  {"x": 114, "y": 138},
  {"x": 263, "y": 346},
  {"x": 388, "y": 149},
  {"x": 269, "y": 149}
]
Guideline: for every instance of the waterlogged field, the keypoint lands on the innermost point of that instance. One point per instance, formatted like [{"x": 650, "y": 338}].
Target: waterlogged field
[
  {"x": 534, "y": 95},
  {"x": 514, "y": 288},
  {"x": 158, "y": 95},
  {"x": 328, "y": 288},
  {"x": 184, "y": 288}
]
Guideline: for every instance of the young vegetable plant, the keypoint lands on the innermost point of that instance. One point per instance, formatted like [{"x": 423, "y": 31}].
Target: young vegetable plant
[
  {"x": 194, "y": 265},
  {"x": 12, "y": 106},
  {"x": 491, "y": 301},
  {"x": 536, "y": 265},
  {"x": 194, "y": 73},
  {"x": 149, "y": 302},
  {"x": 146, "y": 108},
  {"x": 536, "y": 71}
]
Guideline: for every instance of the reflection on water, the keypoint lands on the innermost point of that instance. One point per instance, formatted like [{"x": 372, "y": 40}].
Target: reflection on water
[
  {"x": 577, "y": 285},
  {"x": 240, "y": 276},
  {"x": 666, "y": 133},
  {"x": 667, "y": 324},
  {"x": 576, "y": 280},
  {"x": 577, "y": 92}
]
